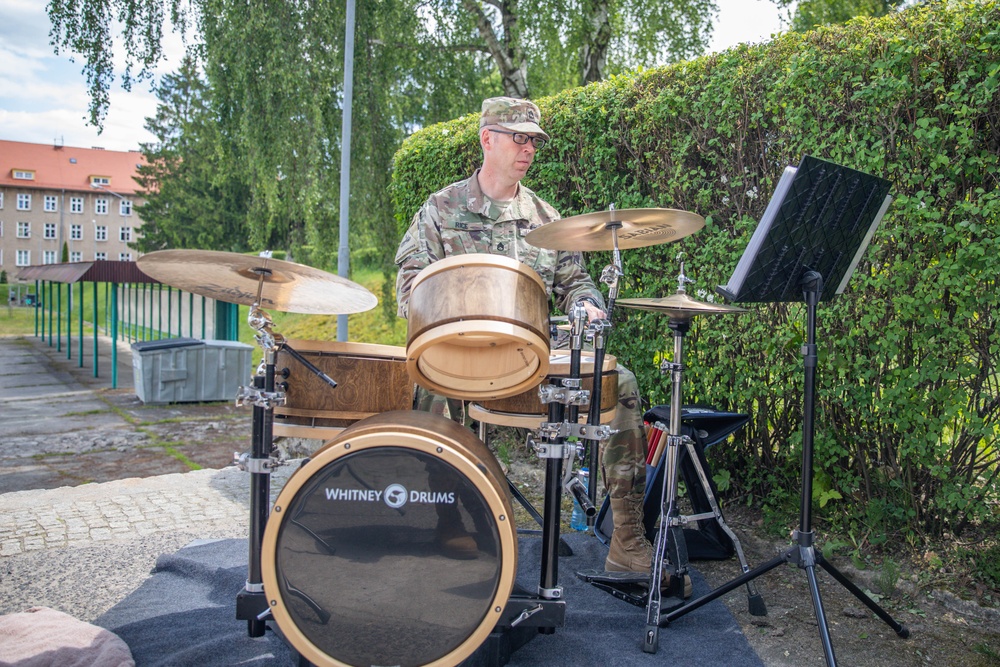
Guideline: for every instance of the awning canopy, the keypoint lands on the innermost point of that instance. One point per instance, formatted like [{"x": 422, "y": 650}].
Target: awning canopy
[{"x": 99, "y": 271}]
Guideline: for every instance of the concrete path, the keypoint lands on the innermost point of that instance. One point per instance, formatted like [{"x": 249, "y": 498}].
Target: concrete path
[{"x": 82, "y": 547}]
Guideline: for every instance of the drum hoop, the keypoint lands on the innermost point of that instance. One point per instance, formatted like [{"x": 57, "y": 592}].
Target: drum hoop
[
  {"x": 477, "y": 259},
  {"x": 443, "y": 449},
  {"x": 537, "y": 345},
  {"x": 348, "y": 349}
]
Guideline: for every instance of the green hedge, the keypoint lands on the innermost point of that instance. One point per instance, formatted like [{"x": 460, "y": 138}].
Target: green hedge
[{"x": 907, "y": 387}]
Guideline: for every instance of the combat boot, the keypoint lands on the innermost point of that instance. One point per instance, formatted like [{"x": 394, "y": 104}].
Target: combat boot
[{"x": 629, "y": 550}]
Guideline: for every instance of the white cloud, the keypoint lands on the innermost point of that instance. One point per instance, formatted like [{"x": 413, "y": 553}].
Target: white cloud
[
  {"x": 745, "y": 21},
  {"x": 43, "y": 97}
]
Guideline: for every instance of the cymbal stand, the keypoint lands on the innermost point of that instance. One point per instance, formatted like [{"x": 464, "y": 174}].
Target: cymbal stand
[
  {"x": 264, "y": 396},
  {"x": 599, "y": 329},
  {"x": 670, "y": 540}
]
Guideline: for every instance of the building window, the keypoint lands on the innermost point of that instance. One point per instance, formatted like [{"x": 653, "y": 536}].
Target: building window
[
  {"x": 51, "y": 203},
  {"x": 75, "y": 256},
  {"x": 101, "y": 233},
  {"x": 50, "y": 230},
  {"x": 100, "y": 256},
  {"x": 76, "y": 204},
  {"x": 23, "y": 258},
  {"x": 125, "y": 207},
  {"x": 124, "y": 257},
  {"x": 49, "y": 257},
  {"x": 1, "y": 200},
  {"x": 24, "y": 174},
  {"x": 76, "y": 232},
  {"x": 24, "y": 230},
  {"x": 23, "y": 202},
  {"x": 125, "y": 234},
  {"x": 100, "y": 180},
  {"x": 101, "y": 206}
]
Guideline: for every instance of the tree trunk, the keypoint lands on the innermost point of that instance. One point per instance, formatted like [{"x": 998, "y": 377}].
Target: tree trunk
[
  {"x": 594, "y": 52},
  {"x": 506, "y": 50}
]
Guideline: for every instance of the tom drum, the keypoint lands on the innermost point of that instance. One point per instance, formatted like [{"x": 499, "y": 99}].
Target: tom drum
[{"x": 478, "y": 327}]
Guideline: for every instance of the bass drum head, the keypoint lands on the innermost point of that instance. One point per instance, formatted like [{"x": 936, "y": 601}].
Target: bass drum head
[{"x": 393, "y": 545}]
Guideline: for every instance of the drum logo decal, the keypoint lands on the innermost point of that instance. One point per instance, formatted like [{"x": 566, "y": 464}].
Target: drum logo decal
[{"x": 394, "y": 495}]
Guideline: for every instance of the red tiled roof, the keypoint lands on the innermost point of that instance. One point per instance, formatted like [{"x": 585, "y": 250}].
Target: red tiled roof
[{"x": 65, "y": 167}]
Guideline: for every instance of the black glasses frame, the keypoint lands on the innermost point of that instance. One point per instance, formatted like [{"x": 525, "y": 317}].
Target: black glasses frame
[{"x": 521, "y": 138}]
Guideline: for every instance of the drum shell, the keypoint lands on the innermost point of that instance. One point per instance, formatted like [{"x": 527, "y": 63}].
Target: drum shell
[
  {"x": 429, "y": 433},
  {"x": 370, "y": 378},
  {"x": 477, "y": 327},
  {"x": 528, "y": 402}
]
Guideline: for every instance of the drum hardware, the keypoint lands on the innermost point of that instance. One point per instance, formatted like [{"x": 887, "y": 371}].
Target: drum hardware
[{"x": 670, "y": 542}]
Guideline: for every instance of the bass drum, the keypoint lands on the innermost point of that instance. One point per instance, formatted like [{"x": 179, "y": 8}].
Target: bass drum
[{"x": 394, "y": 545}]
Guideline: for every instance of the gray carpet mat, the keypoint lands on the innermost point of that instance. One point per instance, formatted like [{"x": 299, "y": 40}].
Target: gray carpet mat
[{"x": 184, "y": 614}]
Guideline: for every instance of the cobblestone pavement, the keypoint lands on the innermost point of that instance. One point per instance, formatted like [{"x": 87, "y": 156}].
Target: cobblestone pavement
[{"x": 94, "y": 485}]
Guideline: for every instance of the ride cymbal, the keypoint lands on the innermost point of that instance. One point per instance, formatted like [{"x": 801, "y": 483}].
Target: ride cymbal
[
  {"x": 679, "y": 305},
  {"x": 639, "y": 227},
  {"x": 234, "y": 278}
]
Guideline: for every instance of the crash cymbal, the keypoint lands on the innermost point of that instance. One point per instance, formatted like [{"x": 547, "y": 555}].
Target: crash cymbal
[
  {"x": 640, "y": 227},
  {"x": 233, "y": 278},
  {"x": 680, "y": 305}
]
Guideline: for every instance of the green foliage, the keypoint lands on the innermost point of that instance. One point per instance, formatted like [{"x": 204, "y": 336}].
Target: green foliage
[
  {"x": 908, "y": 396},
  {"x": 194, "y": 197},
  {"x": 3, "y": 276}
]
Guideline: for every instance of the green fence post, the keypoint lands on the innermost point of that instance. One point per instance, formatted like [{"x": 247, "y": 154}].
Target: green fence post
[
  {"x": 81, "y": 323},
  {"x": 96, "y": 327},
  {"x": 58, "y": 288},
  {"x": 114, "y": 335}
]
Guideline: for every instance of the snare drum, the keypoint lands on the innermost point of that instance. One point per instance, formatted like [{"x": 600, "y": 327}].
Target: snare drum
[
  {"x": 478, "y": 327},
  {"x": 526, "y": 410},
  {"x": 370, "y": 378},
  {"x": 353, "y": 564}
]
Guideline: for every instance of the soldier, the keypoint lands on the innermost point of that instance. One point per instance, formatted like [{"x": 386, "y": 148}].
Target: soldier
[{"x": 491, "y": 212}]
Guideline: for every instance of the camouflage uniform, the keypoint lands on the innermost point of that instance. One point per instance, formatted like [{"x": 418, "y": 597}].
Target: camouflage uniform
[{"x": 460, "y": 219}]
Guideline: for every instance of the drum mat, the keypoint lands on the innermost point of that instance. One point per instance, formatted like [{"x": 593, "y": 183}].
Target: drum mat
[{"x": 184, "y": 614}]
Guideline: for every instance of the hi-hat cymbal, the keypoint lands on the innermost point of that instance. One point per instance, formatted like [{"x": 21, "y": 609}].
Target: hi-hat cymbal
[
  {"x": 680, "y": 306},
  {"x": 640, "y": 227},
  {"x": 234, "y": 278}
]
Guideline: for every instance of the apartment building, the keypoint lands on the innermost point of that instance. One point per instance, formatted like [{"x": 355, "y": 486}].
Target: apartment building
[{"x": 52, "y": 195}]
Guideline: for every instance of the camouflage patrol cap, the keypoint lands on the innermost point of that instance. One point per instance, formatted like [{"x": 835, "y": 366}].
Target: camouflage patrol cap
[{"x": 513, "y": 114}]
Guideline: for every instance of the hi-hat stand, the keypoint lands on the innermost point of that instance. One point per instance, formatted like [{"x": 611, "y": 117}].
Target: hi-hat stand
[{"x": 815, "y": 229}]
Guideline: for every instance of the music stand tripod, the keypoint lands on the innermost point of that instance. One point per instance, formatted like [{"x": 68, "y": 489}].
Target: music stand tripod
[{"x": 811, "y": 237}]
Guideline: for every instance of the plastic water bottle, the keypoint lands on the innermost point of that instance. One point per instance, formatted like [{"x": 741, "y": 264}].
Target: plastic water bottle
[{"x": 578, "y": 520}]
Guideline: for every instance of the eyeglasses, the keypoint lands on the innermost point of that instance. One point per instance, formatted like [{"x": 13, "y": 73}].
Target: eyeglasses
[{"x": 521, "y": 138}]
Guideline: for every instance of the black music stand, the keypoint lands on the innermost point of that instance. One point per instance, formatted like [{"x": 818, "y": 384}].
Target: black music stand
[{"x": 812, "y": 236}]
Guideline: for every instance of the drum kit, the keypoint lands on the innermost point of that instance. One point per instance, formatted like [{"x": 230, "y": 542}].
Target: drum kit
[{"x": 395, "y": 543}]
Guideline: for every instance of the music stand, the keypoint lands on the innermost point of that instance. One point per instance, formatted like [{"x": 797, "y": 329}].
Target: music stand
[{"x": 812, "y": 236}]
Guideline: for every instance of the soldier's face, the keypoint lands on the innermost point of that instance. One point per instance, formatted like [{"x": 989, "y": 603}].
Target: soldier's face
[{"x": 505, "y": 156}]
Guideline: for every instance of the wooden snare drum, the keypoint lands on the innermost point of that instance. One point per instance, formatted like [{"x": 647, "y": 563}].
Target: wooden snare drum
[
  {"x": 525, "y": 410},
  {"x": 478, "y": 327},
  {"x": 370, "y": 378}
]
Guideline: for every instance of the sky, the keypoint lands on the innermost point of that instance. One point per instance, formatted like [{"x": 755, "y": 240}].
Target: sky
[{"x": 43, "y": 97}]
